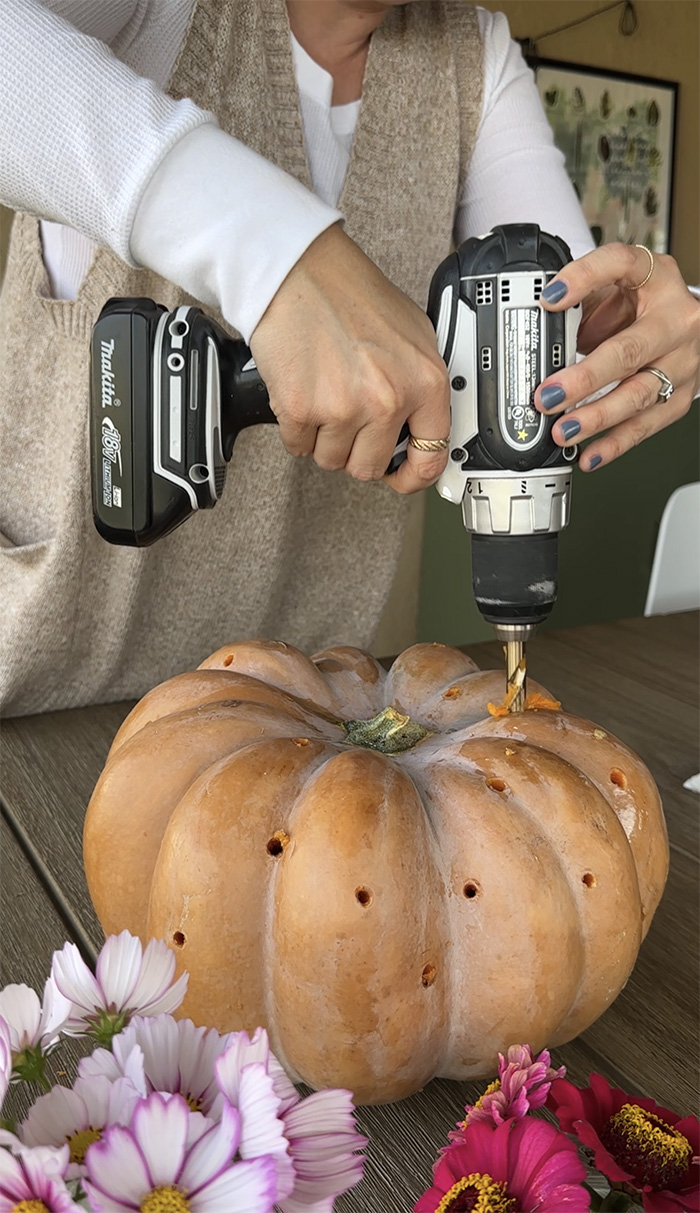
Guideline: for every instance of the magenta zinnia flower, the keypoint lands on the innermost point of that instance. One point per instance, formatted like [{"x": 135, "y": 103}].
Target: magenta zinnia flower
[
  {"x": 522, "y": 1086},
  {"x": 172, "y": 1158},
  {"x": 127, "y": 982},
  {"x": 634, "y": 1141},
  {"x": 520, "y": 1165}
]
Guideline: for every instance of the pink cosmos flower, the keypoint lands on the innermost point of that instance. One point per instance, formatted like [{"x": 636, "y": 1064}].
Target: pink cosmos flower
[
  {"x": 177, "y": 1057},
  {"x": 5, "y": 1059},
  {"x": 320, "y": 1131},
  {"x": 634, "y": 1142},
  {"x": 522, "y": 1086},
  {"x": 128, "y": 981},
  {"x": 524, "y": 1161},
  {"x": 79, "y": 1116},
  {"x": 34, "y": 1180},
  {"x": 173, "y": 1158}
]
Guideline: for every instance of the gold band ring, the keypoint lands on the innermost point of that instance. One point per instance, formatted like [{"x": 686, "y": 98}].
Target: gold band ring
[
  {"x": 644, "y": 281},
  {"x": 429, "y": 444}
]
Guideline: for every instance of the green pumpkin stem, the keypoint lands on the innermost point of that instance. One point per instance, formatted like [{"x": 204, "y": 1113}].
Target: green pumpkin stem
[{"x": 389, "y": 732}]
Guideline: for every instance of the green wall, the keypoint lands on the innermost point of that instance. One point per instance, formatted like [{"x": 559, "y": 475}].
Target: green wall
[{"x": 605, "y": 554}]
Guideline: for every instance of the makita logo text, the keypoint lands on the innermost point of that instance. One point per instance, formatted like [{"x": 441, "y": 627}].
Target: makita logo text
[
  {"x": 106, "y": 352},
  {"x": 111, "y": 443}
]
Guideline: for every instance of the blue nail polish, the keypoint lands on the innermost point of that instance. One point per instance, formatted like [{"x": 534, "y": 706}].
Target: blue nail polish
[
  {"x": 554, "y": 292},
  {"x": 552, "y": 396},
  {"x": 570, "y": 429},
  {"x": 596, "y": 459}
]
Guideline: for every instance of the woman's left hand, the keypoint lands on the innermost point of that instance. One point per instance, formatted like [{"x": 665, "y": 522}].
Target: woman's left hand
[{"x": 623, "y": 331}]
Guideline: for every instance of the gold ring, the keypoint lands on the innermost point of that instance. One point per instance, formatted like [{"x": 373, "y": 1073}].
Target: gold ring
[
  {"x": 429, "y": 444},
  {"x": 644, "y": 281}
]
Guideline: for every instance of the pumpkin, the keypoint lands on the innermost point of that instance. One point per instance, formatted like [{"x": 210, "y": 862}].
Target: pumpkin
[{"x": 393, "y": 882}]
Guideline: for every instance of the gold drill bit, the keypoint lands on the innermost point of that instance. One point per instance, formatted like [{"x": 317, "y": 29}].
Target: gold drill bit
[{"x": 516, "y": 674}]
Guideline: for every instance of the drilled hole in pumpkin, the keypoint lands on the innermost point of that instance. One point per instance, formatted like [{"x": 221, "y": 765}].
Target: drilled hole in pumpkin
[
  {"x": 618, "y": 777},
  {"x": 179, "y": 939},
  {"x": 471, "y": 889},
  {"x": 364, "y": 896},
  {"x": 228, "y": 660},
  {"x": 588, "y": 879},
  {"x": 498, "y": 785},
  {"x": 428, "y": 976},
  {"x": 277, "y": 843}
]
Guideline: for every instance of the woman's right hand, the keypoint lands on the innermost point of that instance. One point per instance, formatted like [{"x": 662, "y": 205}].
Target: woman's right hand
[{"x": 347, "y": 358}]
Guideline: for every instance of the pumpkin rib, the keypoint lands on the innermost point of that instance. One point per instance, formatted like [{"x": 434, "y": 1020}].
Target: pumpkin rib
[
  {"x": 515, "y": 985},
  {"x": 282, "y": 665}
]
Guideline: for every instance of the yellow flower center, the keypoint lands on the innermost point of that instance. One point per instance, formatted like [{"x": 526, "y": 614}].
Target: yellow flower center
[
  {"x": 476, "y": 1194},
  {"x": 79, "y": 1143},
  {"x": 195, "y": 1105},
  {"x": 165, "y": 1200},
  {"x": 653, "y": 1152},
  {"x": 30, "y": 1206}
]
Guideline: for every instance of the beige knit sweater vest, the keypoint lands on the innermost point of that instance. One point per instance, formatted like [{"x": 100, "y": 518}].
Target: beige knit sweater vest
[{"x": 291, "y": 552}]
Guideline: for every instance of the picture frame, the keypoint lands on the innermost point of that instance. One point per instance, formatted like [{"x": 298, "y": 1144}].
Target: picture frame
[{"x": 617, "y": 132}]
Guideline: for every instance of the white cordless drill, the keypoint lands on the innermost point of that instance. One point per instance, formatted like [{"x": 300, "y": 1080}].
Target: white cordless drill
[{"x": 170, "y": 392}]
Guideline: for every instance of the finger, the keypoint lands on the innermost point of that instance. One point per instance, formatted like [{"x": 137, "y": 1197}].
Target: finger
[
  {"x": 333, "y": 445},
  {"x": 627, "y": 400},
  {"x": 372, "y": 451},
  {"x": 298, "y": 437},
  {"x": 626, "y": 264},
  {"x": 419, "y": 470},
  {"x": 618, "y": 358},
  {"x": 630, "y": 433}
]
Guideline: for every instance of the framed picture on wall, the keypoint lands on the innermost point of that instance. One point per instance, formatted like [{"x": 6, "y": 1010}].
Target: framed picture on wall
[{"x": 617, "y": 133}]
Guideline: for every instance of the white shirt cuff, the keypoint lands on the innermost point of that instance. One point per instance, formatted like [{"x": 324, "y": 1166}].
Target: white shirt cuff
[{"x": 224, "y": 224}]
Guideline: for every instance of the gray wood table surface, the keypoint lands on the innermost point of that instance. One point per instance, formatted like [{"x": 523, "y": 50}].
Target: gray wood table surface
[{"x": 636, "y": 678}]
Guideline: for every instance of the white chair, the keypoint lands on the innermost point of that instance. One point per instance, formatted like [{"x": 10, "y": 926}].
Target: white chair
[{"x": 675, "y": 576}]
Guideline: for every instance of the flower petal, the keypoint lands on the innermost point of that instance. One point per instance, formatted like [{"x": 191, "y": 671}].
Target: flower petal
[
  {"x": 160, "y": 1128},
  {"x": 21, "y": 1009},
  {"x": 74, "y": 980},
  {"x": 154, "y": 980},
  {"x": 212, "y": 1153},
  {"x": 247, "y": 1187},
  {"x": 117, "y": 1169},
  {"x": 262, "y": 1131},
  {"x": 119, "y": 966}
]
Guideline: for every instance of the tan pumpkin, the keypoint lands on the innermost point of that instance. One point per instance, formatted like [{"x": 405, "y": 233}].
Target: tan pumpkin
[{"x": 387, "y": 917}]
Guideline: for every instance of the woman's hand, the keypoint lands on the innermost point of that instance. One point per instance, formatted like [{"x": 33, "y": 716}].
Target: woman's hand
[
  {"x": 622, "y": 331},
  {"x": 347, "y": 358}
]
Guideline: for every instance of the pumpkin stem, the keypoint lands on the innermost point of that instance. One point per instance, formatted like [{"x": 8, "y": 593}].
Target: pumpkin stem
[{"x": 389, "y": 732}]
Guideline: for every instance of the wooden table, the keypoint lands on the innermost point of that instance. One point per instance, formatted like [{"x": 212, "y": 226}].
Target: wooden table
[{"x": 636, "y": 678}]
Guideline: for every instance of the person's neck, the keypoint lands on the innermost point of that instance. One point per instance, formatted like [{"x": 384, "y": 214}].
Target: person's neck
[{"x": 336, "y": 34}]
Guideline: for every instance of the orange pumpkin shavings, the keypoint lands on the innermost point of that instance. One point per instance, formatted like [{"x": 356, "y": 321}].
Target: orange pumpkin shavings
[{"x": 533, "y": 703}]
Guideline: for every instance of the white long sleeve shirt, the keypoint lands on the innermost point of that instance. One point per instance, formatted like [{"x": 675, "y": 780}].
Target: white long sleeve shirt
[{"x": 92, "y": 144}]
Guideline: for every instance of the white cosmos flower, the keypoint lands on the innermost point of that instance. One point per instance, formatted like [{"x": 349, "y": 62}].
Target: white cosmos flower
[
  {"x": 78, "y": 1116},
  {"x": 127, "y": 981},
  {"x": 175, "y": 1159},
  {"x": 5, "y": 1059},
  {"x": 32, "y": 1022},
  {"x": 320, "y": 1159},
  {"x": 177, "y": 1058}
]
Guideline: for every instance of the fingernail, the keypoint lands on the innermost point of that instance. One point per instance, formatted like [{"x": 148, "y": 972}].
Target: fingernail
[
  {"x": 570, "y": 429},
  {"x": 552, "y": 396},
  {"x": 595, "y": 460},
  {"x": 554, "y": 291}
]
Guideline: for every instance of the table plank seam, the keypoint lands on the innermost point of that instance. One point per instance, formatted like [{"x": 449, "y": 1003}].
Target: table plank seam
[{"x": 53, "y": 890}]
